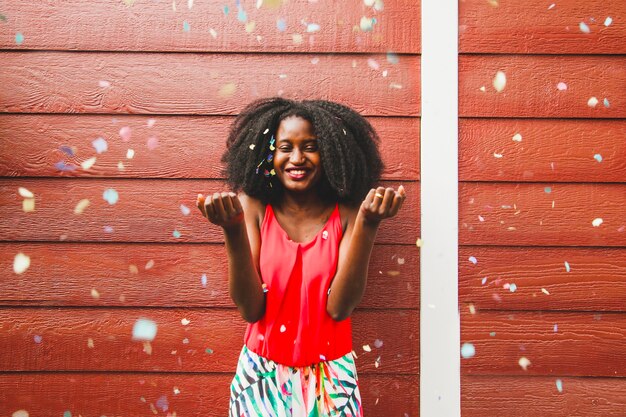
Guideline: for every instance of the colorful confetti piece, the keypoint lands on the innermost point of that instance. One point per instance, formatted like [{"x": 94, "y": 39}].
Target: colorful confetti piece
[
  {"x": 125, "y": 133},
  {"x": 19, "y": 38},
  {"x": 367, "y": 23},
  {"x": 608, "y": 21},
  {"x": 21, "y": 263},
  {"x": 186, "y": 26},
  {"x": 468, "y": 350},
  {"x": 110, "y": 196},
  {"x": 149, "y": 264},
  {"x": 203, "y": 280},
  {"x": 559, "y": 385},
  {"x": 37, "y": 338},
  {"x": 598, "y": 157},
  {"x": 88, "y": 163},
  {"x": 176, "y": 234},
  {"x": 100, "y": 145},
  {"x": 144, "y": 329},
  {"x": 185, "y": 210},
  {"x": 81, "y": 206},
  {"x": 152, "y": 143},
  {"x": 312, "y": 28},
  {"x": 584, "y": 28},
  {"x": 104, "y": 84}
]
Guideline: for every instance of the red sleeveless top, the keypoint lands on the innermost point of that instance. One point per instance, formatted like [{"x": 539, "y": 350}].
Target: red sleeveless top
[{"x": 296, "y": 329}]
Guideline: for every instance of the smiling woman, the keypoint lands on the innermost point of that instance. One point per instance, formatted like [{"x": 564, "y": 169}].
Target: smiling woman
[{"x": 299, "y": 237}]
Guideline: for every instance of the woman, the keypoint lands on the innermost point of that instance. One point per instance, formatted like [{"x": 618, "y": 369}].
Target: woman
[{"x": 299, "y": 237}]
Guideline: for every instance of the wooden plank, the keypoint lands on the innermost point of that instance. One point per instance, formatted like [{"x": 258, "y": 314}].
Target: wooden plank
[
  {"x": 558, "y": 150},
  {"x": 185, "y": 147},
  {"x": 148, "y": 210},
  {"x": 135, "y": 394},
  {"x": 539, "y": 27},
  {"x": 542, "y": 214},
  {"x": 563, "y": 343},
  {"x": 519, "y": 278},
  {"x": 57, "y": 339},
  {"x": 275, "y": 26},
  {"x": 532, "y": 86},
  {"x": 218, "y": 84},
  {"x": 168, "y": 275},
  {"x": 515, "y": 396}
]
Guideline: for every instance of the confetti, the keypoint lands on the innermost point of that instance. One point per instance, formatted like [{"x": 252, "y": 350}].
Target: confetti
[
  {"x": 144, "y": 329},
  {"x": 419, "y": 243},
  {"x": 472, "y": 309},
  {"x": 176, "y": 390},
  {"x": 377, "y": 362},
  {"x": 88, "y": 163},
  {"x": 130, "y": 154},
  {"x": 62, "y": 166},
  {"x": 19, "y": 38},
  {"x": 281, "y": 25},
  {"x": 325, "y": 234},
  {"x": 584, "y": 28},
  {"x": 203, "y": 280},
  {"x": 499, "y": 81},
  {"x": 125, "y": 133},
  {"x": 393, "y": 58},
  {"x": 176, "y": 234},
  {"x": 185, "y": 341},
  {"x": 152, "y": 143},
  {"x": 147, "y": 347},
  {"x": 100, "y": 145},
  {"x": 252, "y": 146},
  {"x": 20, "y": 413},
  {"x": 598, "y": 157},
  {"x": 561, "y": 86},
  {"x": 149, "y": 264},
  {"x": 547, "y": 190},
  {"x": 67, "y": 150},
  {"x": 110, "y": 195},
  {"x": 369, "y": 3},
  {"x": 189, "y": 4},
  {"x": 373, "y": 64},
  {"x": 395, "y": 86},
  {"x": 151, "y": 122},
  {"x": 227, "y": 90},
  {"x": 559, "y": 385},
  {"x": 493, "y": 3},
  {"x": 104, "y": 84},
  {"x": 95, "y": 294},
  {"x": 379, "y": 5},
  {"x": 107, "y": 229},
  {"x": 492, "y": 334},
  {"x": 282, "y": 328},
  {"x": 367, "y": 348},
  {"x": 546, "y": 292},
  {"x": 497, "y": 155},
  {"x": 90, "y": 343},
  {"x": 473, "y": 260},
  {"x": 242, "y": 16},
  {"x": 524, "y": 363},
  {"x": 250, "y": 27},
  {"x": 21, "y": 263},
  {"x": 367, "y": 24},
  {"x": 483, "y": 89},
  {"x": 517, "y": 137},
  {"x": 81, "y": 206},
  {"x": 132, "y": 268},
  {"x": 186, "y": 26},
  {"x": 297, "y": 38},
  {"x": 312, "y": 28},
  {"x": 24, "y": 192},
  {"x": 597, "y": 222},
  {"x": 37, "y": 338},
  {"x": 608, "y": 21},
  {"x": 592, "y": 102},
  {"x": 606, "y": 103},
  {"x": 484, "y": 281},
  {"x": 184, "y": 322},
  {"x": 28, "y": 205},
  {"x": 378, "y": 343},
  {"x": 468, "y": 350},
  {"x": 556, "y": 328},
  {"x": 185, "y": 210},
  {"x": 567, "y": 267},
  {"x": 551, "y": 6},
  {"x": 512, "y": 287}
]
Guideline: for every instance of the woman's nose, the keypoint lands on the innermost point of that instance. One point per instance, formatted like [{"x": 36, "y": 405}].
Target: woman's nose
[{"x": 296, "y": 156}]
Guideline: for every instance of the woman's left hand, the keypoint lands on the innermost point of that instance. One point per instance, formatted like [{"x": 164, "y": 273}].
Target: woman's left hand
[{"x": 381, "y": 203}]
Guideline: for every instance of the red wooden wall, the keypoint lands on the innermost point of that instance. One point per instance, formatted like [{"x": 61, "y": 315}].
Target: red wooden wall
[
  {"x": 159, "y": 83},
  {"x": 541, "y": 277}
]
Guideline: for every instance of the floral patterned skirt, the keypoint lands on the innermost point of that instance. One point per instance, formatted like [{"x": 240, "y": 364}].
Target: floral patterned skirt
[{"x": 262, "y": 387}]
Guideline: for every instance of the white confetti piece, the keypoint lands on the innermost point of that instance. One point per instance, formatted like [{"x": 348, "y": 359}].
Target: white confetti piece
[
  {"x": 367, "y": 348},
  {"x": 203, "y": 280},
  {"x": 21, "y": 263},
  {"x": 325, "y": 234},
  {"x": 185, "y": 341},
  {"x": 484, "y": 281},
  {"x": 481, "y": 218},
  {"x": 110, "y": 196},
  {"x": 132, "y": 268},
  {"x": 592, "y": 102},
  {"x": 88, "y": 163},
  {"x": 312, "y": 28},
  {"x": 24, "y": 192},
  {"x": 472, "y": 309},
  {"x": 20, "y": 413},
  {"x": 377, "y": 362},
  {"x": 561, "y": 86},
  {"x": 473, "y": 260},
  {"x": 517, "y": 137},
  {"x": 252, "y": 146},
  {"x": 395, "y": 86},
  {"x": 559, "y": 385},
  {"x": 227, "y": 90},
  {"x": 144, "y": 329},
  {"x": 213, "y": 33},
  {"x": 120, "y": 166},
  {"x": 468, "y": 350},
  {"x": 296, "y": 38},
  {"x": 524, "y": 363},
  {"x": 556, "y": 328},
  {"x": 28, "y": 205},
  {"x": 176, "y": 391},
  {"x": 95, "y": 294},
  {"x": 151, "y": 122},
  {"x": 379, "y": 5},
  {"x": 494, "y": 3},
  {"x": 608, "y": 21},
  {"x": 551, "y": 6},
  {"x": 104, "y": 84},
  {"x": 597, "y": 222},
  {"x": 499, "y": 81},
  {"x": 189, "y": 4},
  {"x": 367, "y": 23},
  {"x": 373, "y": 64},
  {"x": 598, "y": 157},
  {"x": 584, "y": 28},
  {"x": 483, "y": 89},
  {"x": 378, "y": 343},
  {"x": 130, "y": 154},
  {"x": 147, "y": 347},
  {"x": 567, "y": 267},
  {"x": 282, "y": 328},
  {"x": 149, "y": 264},
  {"x": 81, "y": 206},
  {"x": 185, "y": 322},
  {"x": 369, "y": 3},
  {"x": 185, "y": 210},
  {"x": 250, "y": 26},
  {"x": 497, "y": 155},
  {"x": 90, "y": 343},
  {"x": 546, "y": 292}
]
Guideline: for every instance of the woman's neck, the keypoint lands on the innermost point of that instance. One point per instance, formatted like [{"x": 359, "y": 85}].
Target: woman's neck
[{"x": 302, "y": 202}]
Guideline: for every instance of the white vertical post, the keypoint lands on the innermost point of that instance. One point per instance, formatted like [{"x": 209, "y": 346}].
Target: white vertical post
[{"x": 440, "y": 394}]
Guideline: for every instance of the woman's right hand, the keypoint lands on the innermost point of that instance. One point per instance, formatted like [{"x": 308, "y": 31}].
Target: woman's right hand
[{"x": 223, "y": 209}]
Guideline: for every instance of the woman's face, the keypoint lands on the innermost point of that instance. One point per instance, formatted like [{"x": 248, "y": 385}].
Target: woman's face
[{"x": 297, "y": 159}]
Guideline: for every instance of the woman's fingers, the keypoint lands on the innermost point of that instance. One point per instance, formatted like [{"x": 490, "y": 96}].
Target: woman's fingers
[
  {"x": 228, "y": 206},
  {"x": 385, "y": 205},
  {"x": 379, "y": 196},
  {"x": 236, "y": 203},
  {"x": 398, "y": 199}
]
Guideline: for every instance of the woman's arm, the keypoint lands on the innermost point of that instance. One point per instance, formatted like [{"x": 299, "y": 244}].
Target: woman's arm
[
  {"x": 238, "y": 216},
  {"x": 348, "y": 286}
]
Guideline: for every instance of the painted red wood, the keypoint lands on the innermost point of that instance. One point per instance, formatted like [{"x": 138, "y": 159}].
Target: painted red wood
[
  {"x": 184, "y": 146},
  {"x": 57, "y": 339},
  {"x": 515, "y": 396},
  {"x": 539, "y": 27},
  {"x": 146, "y": 25},
  {"x": 523, "y": 214},
  {"x": 532, "y": 86},
  {"x": 147, "y": 211},
  {"x": 168, "y": 275},
  {"x": 181, "y": 83},
  {"x": 584, "y": 343},
  {"x": 142, "y": 394},
  {"x": 556, "y": 150},
  {"x": 518, "y": 278}
]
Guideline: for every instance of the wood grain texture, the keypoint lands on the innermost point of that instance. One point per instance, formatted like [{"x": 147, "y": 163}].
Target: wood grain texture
[
  {"x": 148, "y": 210},
  {"x": 557, "y": 150},
  {"x": 540, "y": 27},
  {"x": 186, "y": 147},
  {"x": 581, "y": 279},
  {"x": 57, "y": 339},
  {"x": 542, "y": 214},
  {"x": 516, "y": 396},
  {"x": 584, "y": 344},
  {"x": 276, "y": 26},
  {"x": 168, "y": 275},
  {"x": 141, "y": 394},
  {"x": 217, "y": 84},
  {"x": 532, "y": 86}
]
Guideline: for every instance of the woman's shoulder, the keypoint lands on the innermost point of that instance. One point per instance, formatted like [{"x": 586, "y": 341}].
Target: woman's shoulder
[
  {"x": 347, "y": 213},
  {"x": 253, "y": 208}
]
